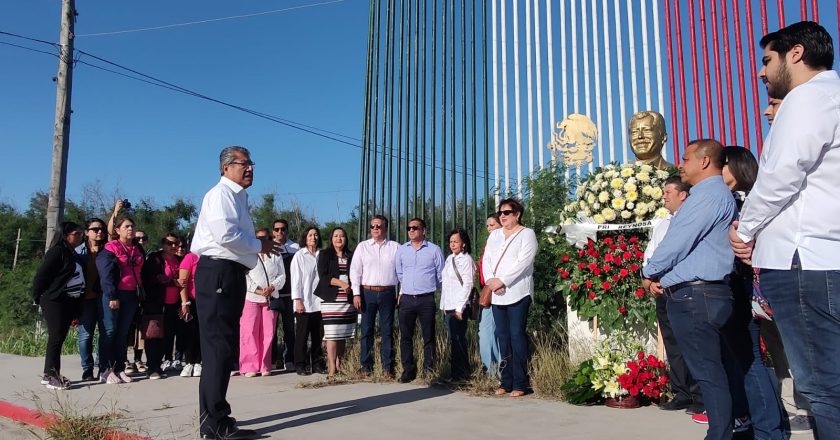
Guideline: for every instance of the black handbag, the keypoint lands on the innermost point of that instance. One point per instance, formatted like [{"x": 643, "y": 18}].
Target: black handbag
[{"x": 472, "y": 303}]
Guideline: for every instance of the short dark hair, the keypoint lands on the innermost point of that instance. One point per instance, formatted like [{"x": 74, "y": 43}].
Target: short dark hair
[
  {"x": 819, "y": 48},
  {"x": 280, "y": 220},
  {"x": 742, "y": 165},
  {"x": 494, "y": 216},
  {"x": 263, "y": 230},
  {"x": 418, "y": 219},
  {"x": 62, "y": 231},
  {"x": 168, "y": 235},
  {"x": 382, "y": 218},
  {"x": 465, "y": 237},
  {"x": 302, "y": 242},
  {"x": 514, "y": 204},
  {"x": 678, "y": 183},
  {"x": 711, "y": 148}
]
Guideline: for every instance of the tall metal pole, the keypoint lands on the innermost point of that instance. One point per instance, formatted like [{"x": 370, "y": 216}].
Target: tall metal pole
[
  {"x": 452, "y": 115},
  {"x": 474, "y": 140},
  {"x": 443, "y": 74},
  {"x": 416, "y": 103},
  {"x": 61, "y": 131},
  {"x": 486, "y": 128},
  {"x": 399, "y": 123},
  {"x": 423, "y": 212},
  {"x": 433, "y": 132},
  {"x": 390, "y": 180},
  {"x": 365, "y": 131},
  {"x": 373, "y": 152},
  {"x": 464, "y": 113},
  {"x": 386, "y": 117}
]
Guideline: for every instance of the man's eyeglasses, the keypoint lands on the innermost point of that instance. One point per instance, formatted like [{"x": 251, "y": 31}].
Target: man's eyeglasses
[
  {"x": 96, "y": 229},
  {"x": 506, "y": 212},
  {"x": 244, "y": 163},
  {"x": 281, "y": 229},
  {"x": 170, "y": 243},
  {"x": 413, "y": 228},
  {"x": 376, "y": 227}
]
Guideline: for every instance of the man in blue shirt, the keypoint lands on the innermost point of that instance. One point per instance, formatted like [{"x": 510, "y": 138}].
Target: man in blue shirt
[
  {"x": 419, "y": 267},
  {"x": 691, "y": 268}
]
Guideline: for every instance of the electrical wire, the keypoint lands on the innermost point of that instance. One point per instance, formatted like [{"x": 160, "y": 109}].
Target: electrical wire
[
  {"x": 28, "y": 48},
  {"x": 210, "y": 20}
]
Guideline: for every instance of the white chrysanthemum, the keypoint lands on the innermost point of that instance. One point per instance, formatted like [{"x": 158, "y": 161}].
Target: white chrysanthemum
[
  {"x": 630, "y": 205},
  {"x": 618, "y": 203},
  {"x": 656, "y": 194},
  {"x": 599, "y": 177},
  {"x": 616, "y": 183},
  {"x": 570, "y": 207},
  {"x": 641, "y": 209},
  {"x": 590, "y": 198},
  {"x": 587, "y": 212},
  {"x": 628, "y": 187},
  {"x": 582, "y": 204},
  {"x": 646, "y": 168},
  {"x": 626, "y": 214},
  {"x": 603, "y": 185},
  {"x": 610, "y": 174},
  {"x": 626, "y": 172},
  {"x": 643, "y": 177},
  {"x": 608, "y": 214},
  {"x": 617, "y": 193},
  {"x": 609, "y": 166},
  {"x": 652, "y": 206},
  {"x": 661, "y": 174},
  {"x": 599, "y": 218},
  {"x": 603, "y": 197},
  {"x": 661, "y": 213},
  {"x": 632, "y": 196},
  {"x": 631, "y": 180},
  {"x": 580, "y": 190},
  {"x": 647, "y": 190},
  {"x": 596, "y": 205}
]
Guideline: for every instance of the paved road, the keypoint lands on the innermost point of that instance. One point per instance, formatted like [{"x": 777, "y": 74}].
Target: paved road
[{"x": 278, "y": 408}]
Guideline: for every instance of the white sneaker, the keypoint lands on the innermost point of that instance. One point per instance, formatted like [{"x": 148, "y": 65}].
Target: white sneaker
[
  {"x": 166, "y": 365},
  {"x": 125, "y": 378},
  {"x": 112, "y": 378},
  {"x": 187, "y": 371},
  {"x": 104, "y": 375},
  {"x": 196, "y": 370}
]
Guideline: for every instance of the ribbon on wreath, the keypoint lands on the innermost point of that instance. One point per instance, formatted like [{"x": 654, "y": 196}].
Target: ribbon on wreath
[{"x": 585, "y": 229}]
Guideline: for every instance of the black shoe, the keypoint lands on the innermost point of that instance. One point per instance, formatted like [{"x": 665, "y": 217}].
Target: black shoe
[
  {"x": 233, "y": 433},
  {"x": 695, "y": 408},
  {"x": 88, "y": 375},
  {"x": 319, "y": 369},
  {"x": 675, "y": 404},
  {"x": 301, "y": 371},
  {"x": 404, "y": 378}
]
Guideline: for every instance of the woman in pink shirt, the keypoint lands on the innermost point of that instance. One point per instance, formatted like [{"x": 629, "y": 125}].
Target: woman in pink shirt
[
  {"x": 160, "y": 278},
  {"x": 188, "y": 314},
  {"x": 119, "y": 264}
]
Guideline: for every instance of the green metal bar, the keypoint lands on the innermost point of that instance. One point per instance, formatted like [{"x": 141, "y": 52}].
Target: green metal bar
[
  {"x": 400, "y": 123},
  {"x": 486, "y": 116},
  {"x": 464, "y": 113},
  {"x": 474, "y": 160},
  {"x": 386, "y": 123},
  {"x": 388, "y": 182},
  {"x": 407, "y": 106},
  {"x": 365, "y": 125},
  {"x": 416, "y": 102},
  {"x": 374, "y": 151},
  {"x": 423, "y": 212},
  {"x": 452, "y": 115},
  {"x": 433, "y": 133},
  {"x": 443, "y": 111}
]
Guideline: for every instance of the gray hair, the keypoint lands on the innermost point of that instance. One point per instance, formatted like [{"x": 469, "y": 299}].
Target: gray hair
[{"x": 227, "y": 156}]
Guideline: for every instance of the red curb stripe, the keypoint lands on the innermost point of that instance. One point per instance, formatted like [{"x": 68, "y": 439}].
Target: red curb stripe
[{"x": 43, "y": 420}]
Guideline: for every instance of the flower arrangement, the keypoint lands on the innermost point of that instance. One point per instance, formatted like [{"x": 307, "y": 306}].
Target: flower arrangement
[
  {"x": 645, "y": 376},
  {"x": 603, "y": 279},
  {"x": 626, "y": 193},
  {"x": 610, "y": 362}
]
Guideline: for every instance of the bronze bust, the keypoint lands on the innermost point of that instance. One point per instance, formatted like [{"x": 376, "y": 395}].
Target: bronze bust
[{"x": 647, "y": 137}]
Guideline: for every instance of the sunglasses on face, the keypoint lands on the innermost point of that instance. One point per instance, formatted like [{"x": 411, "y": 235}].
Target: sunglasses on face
[
  {"x": 97, "y": 230},
  {"x": 376, "y": 227},
  {"x": 280, "y": 229},
  {"x": 506, "y": 212},
  {"x": 413, "y": 228}
]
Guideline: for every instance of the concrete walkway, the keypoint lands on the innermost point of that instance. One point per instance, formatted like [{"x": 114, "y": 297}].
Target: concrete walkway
[{"x": 278, "y": 408}]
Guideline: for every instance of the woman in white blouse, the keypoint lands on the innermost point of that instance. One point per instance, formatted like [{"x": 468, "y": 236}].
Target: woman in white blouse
[
  {"x": 256, "y": 326},
  {"x": 508, "y": 267},
  {"x": 458, "y": 274},
  {"x": 304, "y": 278}
]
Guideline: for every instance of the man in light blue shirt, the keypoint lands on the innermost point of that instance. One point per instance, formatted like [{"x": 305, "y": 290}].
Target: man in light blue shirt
[
  {"x": 419, "y": 269},
  {"x": 691, "y": 267}
]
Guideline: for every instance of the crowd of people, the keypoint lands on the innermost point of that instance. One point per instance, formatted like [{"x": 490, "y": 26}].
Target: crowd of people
[{"x": 749, "y": 249}]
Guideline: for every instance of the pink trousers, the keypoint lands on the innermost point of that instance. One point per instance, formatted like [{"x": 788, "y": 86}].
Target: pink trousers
[{"x": 256, "y": 329}]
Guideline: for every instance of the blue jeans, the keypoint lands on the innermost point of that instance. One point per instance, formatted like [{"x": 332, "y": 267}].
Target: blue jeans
[
  {"x": 513, "y": 344},
  {"x": 383, "y": 303},
  {"x": 113, "y": 346},
  {"x": 805, "y": 307},
  {"x": 88, "y": 321},
  {"x": 698, "y": 315},
  {"x": 488, "y": 346}
]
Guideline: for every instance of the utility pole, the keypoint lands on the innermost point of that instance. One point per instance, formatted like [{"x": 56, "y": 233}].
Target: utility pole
[
  {"x": 17, "y": 246},
  {"x": 61, "y": 133}
]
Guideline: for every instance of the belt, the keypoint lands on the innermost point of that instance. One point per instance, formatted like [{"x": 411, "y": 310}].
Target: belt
[
  {"x": 419, "y": 295},
  {"x": 379, "y": 288},
  {"x": 673, "y": 289}
]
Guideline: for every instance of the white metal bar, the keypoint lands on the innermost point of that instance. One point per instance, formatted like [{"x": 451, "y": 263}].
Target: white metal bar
[
  {"x": 575, "y": 98},
  {"x": 619, "y": 50},
  {"x": 505, "y": 96},
  {"x": 645, "y": 55},
  {"x": 528, "y": 65},
  {"x": 540, "y": 146},
  {"x": 495, "y": 105},
  {"x": 631, "y": 41},
  {"x": 608, "y": 79},
  {"x": 563, "y": 72},
  {"x": 584, "y": 24},
  {"x": 517, "y": 121},
  {"x": 597, "y": 64},
  {"x": 660, "y": 82}
]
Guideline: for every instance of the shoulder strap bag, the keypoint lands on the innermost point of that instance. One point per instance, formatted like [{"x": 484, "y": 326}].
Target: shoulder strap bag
[
  {"x": 473, "y": 299},
  {"x": 486, "y": 297}
]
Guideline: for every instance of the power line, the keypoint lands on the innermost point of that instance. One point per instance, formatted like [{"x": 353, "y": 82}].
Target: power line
[
  {"x": 210, "y": 20},
  {"x": 28, "y": 48},
  {"x": 29, "y": 38}
]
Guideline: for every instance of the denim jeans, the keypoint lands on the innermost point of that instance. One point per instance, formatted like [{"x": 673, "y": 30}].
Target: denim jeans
[
  {"x": 698, "y": 315},
  {"x": 754, "y": 387},
  {"x": 683, "y": 385},
  {"x": 88, "y": 321},
  {"x": 513, "y": 344},
  {"x": 113, "y": 348},
  {"x": 488, "y": 346},
  {"x": 384, "y": 304},
  {"x": 805, "y": 307}
]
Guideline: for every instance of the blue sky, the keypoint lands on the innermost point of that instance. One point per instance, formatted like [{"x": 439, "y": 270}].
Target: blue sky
[{"x": 306, "y": 65}]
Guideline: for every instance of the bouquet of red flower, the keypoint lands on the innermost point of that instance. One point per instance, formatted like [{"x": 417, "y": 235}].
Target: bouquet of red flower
[
  {"x": 604, "y": 280},
  {"x": 646, "y": 377}
]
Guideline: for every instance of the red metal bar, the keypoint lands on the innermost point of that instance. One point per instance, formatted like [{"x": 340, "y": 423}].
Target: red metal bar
[
  {"x": 675, "y": 142},
  {"x": 718, "y": 82},
  {"x": 695, "y": 79},
  {"x": 764, "y": 29},
  {"x": 730, "y": 97},
  {"x": 780, "y": 4},
  {"x": 681, "y": 67},
  {"x": 707, "y": 75},
  {"x": 742, "y": 89},
  {"x": 754, "y": 76},
  {"x": 815, "y": 11},
  {"x": 803, "y": 9}
]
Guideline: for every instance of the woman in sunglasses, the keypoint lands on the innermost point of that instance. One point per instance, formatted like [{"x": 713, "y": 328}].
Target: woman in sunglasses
[
  {"x": 508, "y": 268},
  {"x": 57, "y": 287},
  {"x": 163, "y": 297},
  {"x": 120, "y": 264},
  {"x": 89, "y": 317}
]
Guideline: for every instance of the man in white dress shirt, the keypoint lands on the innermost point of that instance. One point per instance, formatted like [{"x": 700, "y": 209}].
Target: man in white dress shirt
[
  {"x": 373, "y": 277},
  {"x": 227, "y": 247},
  {"x": 789, "y": 223}
]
